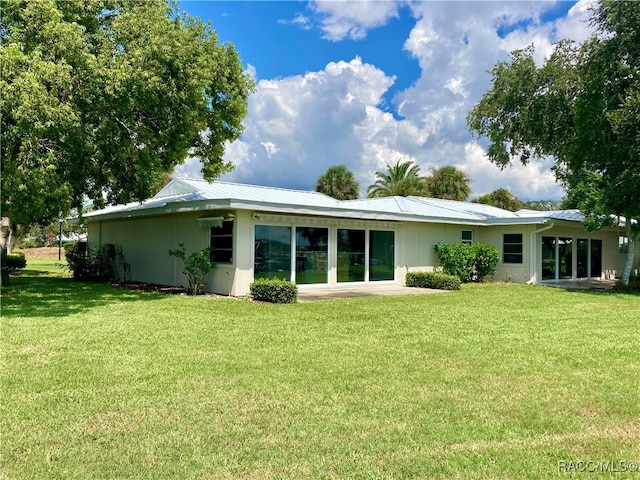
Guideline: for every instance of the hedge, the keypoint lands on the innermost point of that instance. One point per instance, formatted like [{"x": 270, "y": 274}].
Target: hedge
[
  {"x": 274, "y": 291},
  {"x": 16, "y": 261},
  {"x": 437, "y": 280}
]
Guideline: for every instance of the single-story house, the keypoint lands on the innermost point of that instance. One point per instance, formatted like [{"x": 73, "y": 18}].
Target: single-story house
[{"x": 315, "y": 240}]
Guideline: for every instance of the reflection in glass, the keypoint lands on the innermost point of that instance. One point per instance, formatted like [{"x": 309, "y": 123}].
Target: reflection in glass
[
  {"x": 351, "y": 251},
  {"x": 272, "y": 255},
  {"x": 312, "y": 264},
  {"x": 381, "y": 255}
]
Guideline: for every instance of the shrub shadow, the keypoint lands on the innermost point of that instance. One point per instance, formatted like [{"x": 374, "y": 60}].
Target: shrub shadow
[{"x": 38, "y": 294}]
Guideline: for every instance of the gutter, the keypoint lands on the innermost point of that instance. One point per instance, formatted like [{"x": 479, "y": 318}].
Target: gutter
[{"x": 532, "y": 252}]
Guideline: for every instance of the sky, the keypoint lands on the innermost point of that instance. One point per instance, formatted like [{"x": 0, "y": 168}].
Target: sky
[{"x": 370, "y": 83}]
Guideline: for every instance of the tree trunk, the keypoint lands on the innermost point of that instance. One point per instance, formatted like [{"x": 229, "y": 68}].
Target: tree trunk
[
  {"x": 631, "y": 255},
  {"x": 5, "y": 246}
]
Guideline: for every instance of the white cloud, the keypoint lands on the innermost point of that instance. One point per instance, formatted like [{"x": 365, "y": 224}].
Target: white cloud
[
  {"x": 351, "y": 19},
  {"x": 298, "y": 126}
]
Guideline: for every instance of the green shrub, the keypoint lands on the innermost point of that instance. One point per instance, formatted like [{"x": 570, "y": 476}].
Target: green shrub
[
  {"x": 196, "y": 267},
  {"x": 486, "y": 261},
  {"x": 30, "y": 244},
  {"x": 437, "y": 280},
  {"x": 469, "y": 262},
  {"x": 632, "y": 287},
  {"x": 16, "y": 261},
  {"x": 274, "y": 290},
  {"x": 89, "y": 263}
]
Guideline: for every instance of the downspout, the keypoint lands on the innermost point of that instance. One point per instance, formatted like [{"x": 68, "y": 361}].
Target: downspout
[{"x": 532, "y": 252}]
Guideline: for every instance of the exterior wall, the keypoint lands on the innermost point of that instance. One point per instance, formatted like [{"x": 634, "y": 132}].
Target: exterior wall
[
  {"x": 146, "y": 241},
  {"x": 514, "y": 272},
  {"x": 610, "y": 254}
]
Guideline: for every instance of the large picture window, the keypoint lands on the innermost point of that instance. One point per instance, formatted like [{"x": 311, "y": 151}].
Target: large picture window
[
  {"x": 351, "y": 252},
  {"x": 221, "y": 242},
  {"x": 512, "y": 248},
  {"x": 272, "y": 252},
  {"x": 312, "y": 248},
  {"x": 381, "y": 255}
]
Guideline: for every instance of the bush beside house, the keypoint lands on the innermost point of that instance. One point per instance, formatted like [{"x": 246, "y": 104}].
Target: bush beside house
[
  {"x": 436, "y": 280},
  {"x": 469, "y": 262},
  {"x": 274, "y": 291}
]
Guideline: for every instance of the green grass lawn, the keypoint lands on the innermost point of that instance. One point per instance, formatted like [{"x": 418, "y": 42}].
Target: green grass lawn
[{"x": 493, "y": 381}]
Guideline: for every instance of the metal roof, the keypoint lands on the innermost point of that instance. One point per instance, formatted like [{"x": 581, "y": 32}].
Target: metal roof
[{"x": 184, "y": 194}]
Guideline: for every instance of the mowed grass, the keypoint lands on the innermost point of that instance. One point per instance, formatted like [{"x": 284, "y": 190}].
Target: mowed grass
[{"x": 494, "y": 381}]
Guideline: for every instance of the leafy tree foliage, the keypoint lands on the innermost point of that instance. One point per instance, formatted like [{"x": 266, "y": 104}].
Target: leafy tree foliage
[
  {"x": 338, "y": 182},
  {"x": 100, "y": 98},
  {"x": 448, "y": 183},
  {"x": 546, "y": 205},
  {"x": 402, "y": 179},
  {"x": 501, "y": 198},
  {"x": 581, "y": 107}
]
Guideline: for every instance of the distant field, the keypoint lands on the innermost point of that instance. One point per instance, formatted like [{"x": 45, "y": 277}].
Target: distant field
[{"x": 495, "y": 381}]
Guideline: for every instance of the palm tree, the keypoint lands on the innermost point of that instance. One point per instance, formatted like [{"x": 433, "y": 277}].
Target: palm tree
[
  {"x": 338, "y": 182},
  {"x": 501, "y": 198},
  {"x": 402, "y": 179},
  {"x": 449, "y": 183}
]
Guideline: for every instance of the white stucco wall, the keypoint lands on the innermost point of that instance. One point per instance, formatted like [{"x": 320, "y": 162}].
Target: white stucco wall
[{"x": 146, "y": 242}]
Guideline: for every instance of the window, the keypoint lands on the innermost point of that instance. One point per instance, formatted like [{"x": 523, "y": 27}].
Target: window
[
  {"x": 512, "y": 248},
  {"x": 623, "y": 244},
  {"x": 381, "y": 255},
  {"x": 467, "y": 236},
  {"x": 272, "y": 252},
  {"x": 221, "y": 242},
  {"x": 351, "y": 252},
  {"x": 312, "y": 248}
]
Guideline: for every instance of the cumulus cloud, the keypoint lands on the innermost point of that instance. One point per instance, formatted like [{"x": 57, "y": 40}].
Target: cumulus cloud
[
  {"x": 298, "y": 126},
  {"x": 351, "y": 19}
]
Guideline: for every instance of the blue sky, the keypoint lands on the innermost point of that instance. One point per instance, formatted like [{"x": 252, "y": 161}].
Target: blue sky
[{"x": 369, "y": 83}]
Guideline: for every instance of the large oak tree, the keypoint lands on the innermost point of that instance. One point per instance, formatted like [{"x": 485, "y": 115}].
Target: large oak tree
[
  {"x": 101, "y": 98},
  {"x": 581, "y": 107}
]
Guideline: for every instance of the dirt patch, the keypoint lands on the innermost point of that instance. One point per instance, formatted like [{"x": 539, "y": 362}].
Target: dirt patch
[
  {"x": 40, "y": 252},
  {"x": 151, "y": 287}
]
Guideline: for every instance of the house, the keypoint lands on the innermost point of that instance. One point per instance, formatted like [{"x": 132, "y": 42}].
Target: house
[{"x": 315, "y": 240}]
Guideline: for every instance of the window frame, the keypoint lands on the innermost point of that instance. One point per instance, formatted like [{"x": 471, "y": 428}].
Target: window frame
[
  {"x": 468, "y": 241},
  {"x": 510, "y": 254},
  {"x": 220, "y": 235}
]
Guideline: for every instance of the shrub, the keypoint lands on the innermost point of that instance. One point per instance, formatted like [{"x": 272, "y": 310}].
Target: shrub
[
  {"x": 456, "y": 260},
  {"x": 469, "y": 262},
  {"x": 30, "y": 244},
  {"x": 16, "y": 261},
  {"x": 486, "y": 261},
  {"x": 274, "y": 290},
  {"x": 632, "y": 287},
  {"x": 88, "y": 263},
  {"x": 437, "y": 280},
  {"x": 196, "y": 267}
]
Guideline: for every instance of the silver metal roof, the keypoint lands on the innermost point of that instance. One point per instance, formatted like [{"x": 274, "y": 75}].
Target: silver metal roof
[{"x": 184, "y": 194}]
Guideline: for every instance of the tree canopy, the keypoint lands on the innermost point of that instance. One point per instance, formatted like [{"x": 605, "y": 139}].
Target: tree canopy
[
  {"x": 581, "y": 107},
  {"x": 449, "y": 183},
  {"x": 402, "y": 179},
  {"x": 338, "y": 182},
  {"x": 100, "y": 98},
  {"x": 501, "y": 198}
]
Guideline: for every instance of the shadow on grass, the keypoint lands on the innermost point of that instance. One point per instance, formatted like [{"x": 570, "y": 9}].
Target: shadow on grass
[{"x": 40, "y": 293}]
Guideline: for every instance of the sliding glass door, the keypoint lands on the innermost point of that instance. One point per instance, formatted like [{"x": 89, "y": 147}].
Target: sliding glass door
[
  {"x": 558, "y": 256},
  {"x": 351, "y": 255},
  {"x": 312, "y": 255}
]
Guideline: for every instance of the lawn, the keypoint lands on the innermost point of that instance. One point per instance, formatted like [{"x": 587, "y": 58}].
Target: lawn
[{"x": 494, "y": 381}]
